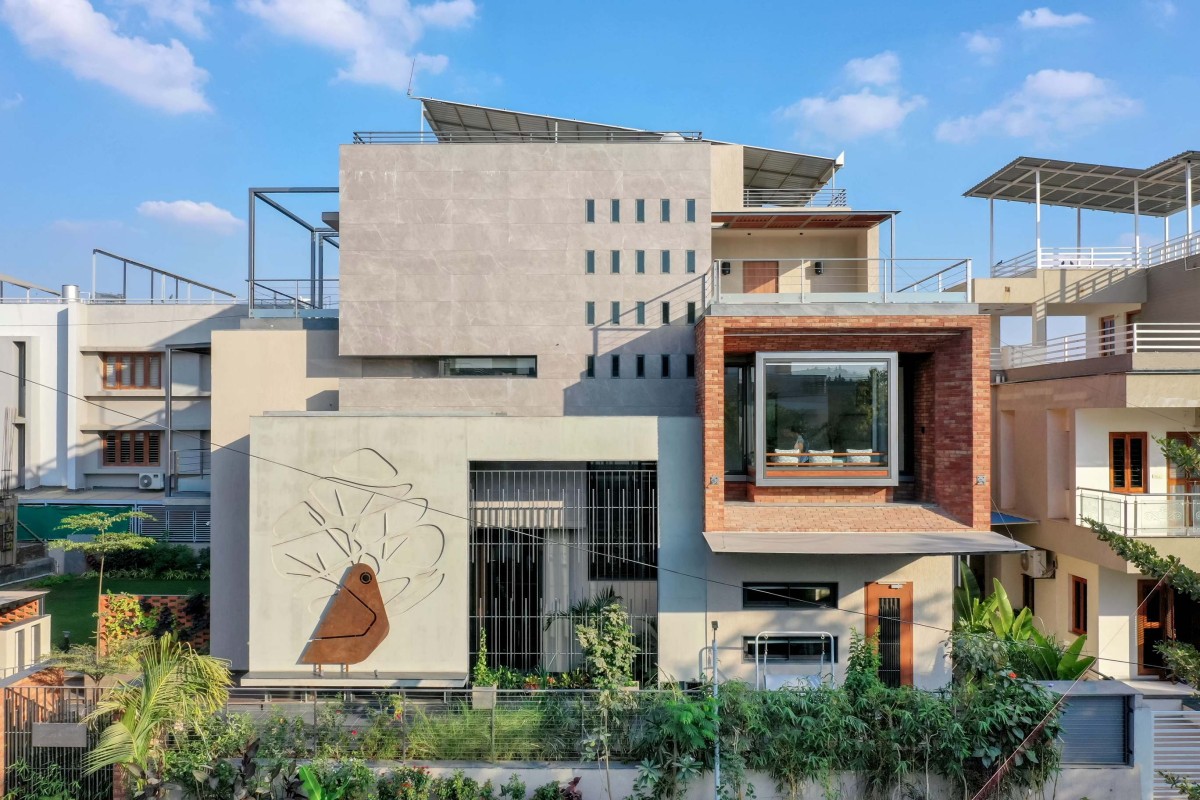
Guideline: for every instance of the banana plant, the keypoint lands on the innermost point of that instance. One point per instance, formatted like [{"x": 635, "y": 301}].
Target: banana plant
[{"x": 1048, "y": 661}]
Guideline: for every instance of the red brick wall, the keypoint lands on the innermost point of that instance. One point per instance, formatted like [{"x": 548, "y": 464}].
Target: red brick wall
[
  {"x": 951, "y": 404},
  {"x": 178, "y": 605},
  {"x": 17, "y": 613}
]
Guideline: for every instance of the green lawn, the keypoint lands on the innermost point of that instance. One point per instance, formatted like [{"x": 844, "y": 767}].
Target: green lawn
[{"x": 72, "y": 605}]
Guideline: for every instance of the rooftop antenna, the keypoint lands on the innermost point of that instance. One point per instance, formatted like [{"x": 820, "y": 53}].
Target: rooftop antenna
[{"x": 412, "y": 71}]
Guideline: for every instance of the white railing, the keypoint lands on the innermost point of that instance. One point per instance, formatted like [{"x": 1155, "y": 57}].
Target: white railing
[
  {"x": 1098, "y": 257},
  {"x": 1176, "y": 750},
  {"x": 1141, "y": 514},
  {"x": 839, "y": 280},
  {"x": 1140, "y": 337},
  {"x": 794, "y": 198}
]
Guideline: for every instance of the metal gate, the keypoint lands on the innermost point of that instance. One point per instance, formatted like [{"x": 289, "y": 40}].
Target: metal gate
[
  {"x": 1176, "y": 749},
  {"x": 29, "y": 757}
]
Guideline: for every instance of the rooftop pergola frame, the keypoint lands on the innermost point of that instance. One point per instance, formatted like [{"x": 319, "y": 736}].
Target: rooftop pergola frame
[
  {"x": 320, "y": 235},
  {"x": 1160, "y": 191}
]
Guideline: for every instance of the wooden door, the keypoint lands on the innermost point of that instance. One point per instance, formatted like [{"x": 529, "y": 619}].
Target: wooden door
[
  {"x": 1154, "y": 624},
  {"x": 760, "y": 277},
  {"x": 889, "y": 609}
]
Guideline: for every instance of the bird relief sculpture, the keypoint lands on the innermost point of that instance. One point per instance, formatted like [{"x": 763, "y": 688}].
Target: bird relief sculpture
[{"x": 361, "y": 554}]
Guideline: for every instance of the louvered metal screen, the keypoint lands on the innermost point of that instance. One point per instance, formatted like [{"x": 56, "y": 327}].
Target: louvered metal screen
[{"x": 1095, "y": 731}]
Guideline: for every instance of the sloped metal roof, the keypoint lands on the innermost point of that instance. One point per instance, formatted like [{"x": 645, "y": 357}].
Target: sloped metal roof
[
  {"x": 1098, "y": 187},
  {"x": 763, "y": 168}
]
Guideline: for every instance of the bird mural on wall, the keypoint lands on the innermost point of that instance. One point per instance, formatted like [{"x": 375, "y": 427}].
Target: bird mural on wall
[{"x": 361, "y": 553}]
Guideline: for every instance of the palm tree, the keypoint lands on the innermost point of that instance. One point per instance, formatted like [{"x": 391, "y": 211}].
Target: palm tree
[{"x": 177, "y": 688}]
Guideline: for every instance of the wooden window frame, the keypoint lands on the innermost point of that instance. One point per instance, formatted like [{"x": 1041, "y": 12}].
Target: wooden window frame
[
  {"x": 1131, "y": 318},
  {"x": 1149, "y": 591},
  {"x": 1108, "y": 339},
  {"x": 111, "y": 446},
  {"x": 1112, "y": 475},
  {"x": 1078, "y": 605},
  {"x": 117, "y": 384}
]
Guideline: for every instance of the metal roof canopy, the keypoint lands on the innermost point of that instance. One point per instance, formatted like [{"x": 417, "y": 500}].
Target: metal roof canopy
[
  {"x": 815, "y": 218},
  {"x": 1161, "y": 189},
  {"x": 762, "y": 168},
  {"x": 840, "y": 543}
]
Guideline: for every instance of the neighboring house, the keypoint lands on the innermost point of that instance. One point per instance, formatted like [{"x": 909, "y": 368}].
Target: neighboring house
[
  {"x": 24, "y": 630},
  {"x": 1076, "y": 417},
  {"x": 538, "y": 377},
  {"x": 106, "y": 396}
]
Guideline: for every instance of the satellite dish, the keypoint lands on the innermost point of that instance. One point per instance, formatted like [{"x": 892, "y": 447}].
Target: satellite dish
[{"x": 672, "y": 137}]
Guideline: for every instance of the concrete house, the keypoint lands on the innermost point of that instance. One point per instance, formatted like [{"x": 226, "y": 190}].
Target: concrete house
[
  {"x": 562, "y": 360},
  {"x": 1077, "y": 417}
]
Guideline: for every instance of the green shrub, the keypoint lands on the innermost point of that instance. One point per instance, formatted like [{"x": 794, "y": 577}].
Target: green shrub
[
  {"x": 457, "y": 787},
  {"x": 406, "y": 783}
]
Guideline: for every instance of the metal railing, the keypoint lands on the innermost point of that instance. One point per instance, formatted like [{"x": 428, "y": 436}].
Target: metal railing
[
  {"x": 191, "y": 462},
  {"x": 552, "y": 136},
  {"x": 794, "y": 198},
  {"x": 295, "y": 295},
  {"x": 1098, "y": 257},
  {"x": 1176, "y": 750},
  {"x": 1158, "y": 514},
  {"x": 177, "y": 524},
  {"x": 163, "y": 286},
  {"x": 26, "y": 292},
  {"x": 817, "y": 279},
  {"x": 1140, "y": 337}
]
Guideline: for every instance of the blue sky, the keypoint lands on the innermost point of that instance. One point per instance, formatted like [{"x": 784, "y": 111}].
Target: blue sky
[{"x": 137, "y": 125}]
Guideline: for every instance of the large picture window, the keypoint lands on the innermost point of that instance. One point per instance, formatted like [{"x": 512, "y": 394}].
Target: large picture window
[{"x": 826, "y": 419}]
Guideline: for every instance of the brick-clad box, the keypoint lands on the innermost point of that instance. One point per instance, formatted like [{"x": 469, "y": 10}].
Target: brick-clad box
[
  {"x": 949, "y": 361},
  {"x": 12, "y": 613}
]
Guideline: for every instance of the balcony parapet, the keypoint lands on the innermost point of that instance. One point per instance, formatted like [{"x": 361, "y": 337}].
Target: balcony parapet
[
  {"x": 1023, "y": 265},
  {"x": 818, "y": 279},
  {"x": 794, "y": 198},
  {"x": 1139, "y": 337},
  {"x": 1141, "y": 515}
]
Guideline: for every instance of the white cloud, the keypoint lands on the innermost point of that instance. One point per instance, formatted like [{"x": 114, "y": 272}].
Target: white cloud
[
  {"x": 75, "y": 35},
  {"x": 1045, "y": 18},
  {"x": 1052, "y": 102},
  {"x": 982, "y": 45},
  {"x": 186, "y": 15},
  {"x": 377, "y": 37},
  {"x": 853, "y": 116},
  {"x": 1161, "y": 11},
  {"x": 880, "y": 70},
  {"x": 9, "y": 103},
  {"x": 189, "y": 212}
]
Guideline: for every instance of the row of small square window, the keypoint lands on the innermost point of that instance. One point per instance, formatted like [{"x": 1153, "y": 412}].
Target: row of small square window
[
  {"x": 639, "y": 262},
  {"x": 639, "y": 312},
  {"x": 639, "y": 210},
  {"x": 639, "y": 366}
]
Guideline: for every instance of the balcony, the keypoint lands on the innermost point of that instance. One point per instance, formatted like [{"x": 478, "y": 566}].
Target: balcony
[
  {"x": 1125, "y": 340},
  {"x": 1151, "y": 515},
  {"x": 295, "y": 297},
  {"x": 1185, "y": 246},
  {"x": 836, "y": 279},
  {"x": 794, "y": 198}
]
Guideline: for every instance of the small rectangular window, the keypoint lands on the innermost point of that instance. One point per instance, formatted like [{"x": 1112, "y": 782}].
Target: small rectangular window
[
  {"x": 790, "y": 649},
  {"x": 691, "y": 210},
  {"x": 487, "y": 366},
  {"x": 641, "y": 313},
  {"x": 616, "y": 261},
  {"x": 789, "y": 595},
  {"x": 615, "y": 212},
  {"x": 691, "y": 312},
  {"x": 589, "y": 313},
  {"x": 666, "y": 261},
  {"x": 591, "y": 366},
  {"x": 616, "y": 365},
  {"x": 616, "y": 312},
  {"x": 639, "y": 366},
  {"x": 691, "y": 261},
  {"x": 639, "y": 210},
  {"x": 666, "y": 313},
  {"x": 1079, "y": 609},
  {"x": 132, "y": 370},
  {"x": 589, "y": 210},
  {"x": 690, "y": 369},
  {"x": 641, "y": 262},
  {"x": 1127, "y": 462},
  {"x": 666, "y": 366},
  {"x": 589, "y": 262},
  {"x": 130, "y": 449},
  {"x": 666, "y": 211},
  {"x": 1108, "y": 335}
]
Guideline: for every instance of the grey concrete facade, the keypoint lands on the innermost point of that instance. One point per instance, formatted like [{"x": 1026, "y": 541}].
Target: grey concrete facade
[{"x": 479, "y": 249}]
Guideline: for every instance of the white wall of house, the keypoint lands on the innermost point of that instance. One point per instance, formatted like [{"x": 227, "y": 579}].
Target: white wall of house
[{"x": 1092, "y": 429}]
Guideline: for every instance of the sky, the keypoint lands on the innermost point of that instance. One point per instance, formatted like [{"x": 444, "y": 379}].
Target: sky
[{"x": 137, "y": 126}]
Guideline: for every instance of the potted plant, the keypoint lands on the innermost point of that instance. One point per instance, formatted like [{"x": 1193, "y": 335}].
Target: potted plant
[{"x": 484, "y": 681}]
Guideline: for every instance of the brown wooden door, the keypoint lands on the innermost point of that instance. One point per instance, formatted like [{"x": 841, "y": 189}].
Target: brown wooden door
[
  {"x": 889, "y": 609},
  {"x": 760, "y": 277},
  {"x": 1154, "y": 624}
]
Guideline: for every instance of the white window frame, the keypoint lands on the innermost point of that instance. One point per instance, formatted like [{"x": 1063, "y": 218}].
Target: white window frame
[{"x": 890, "y": 360}]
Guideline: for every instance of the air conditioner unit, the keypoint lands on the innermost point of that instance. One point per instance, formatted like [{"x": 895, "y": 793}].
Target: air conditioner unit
[
  {"x": 1038, "y": 564},
  {"x": 151, "y": 481}
]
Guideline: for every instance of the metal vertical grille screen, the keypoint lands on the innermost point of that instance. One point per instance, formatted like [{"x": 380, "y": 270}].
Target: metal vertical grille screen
[
  {"x": 547, "y": 545},
  {"x": 23, "y": 707},
  {"x": 889, "y": 640}
]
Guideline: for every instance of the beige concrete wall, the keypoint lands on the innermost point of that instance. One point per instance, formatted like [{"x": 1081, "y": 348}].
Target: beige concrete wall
[
  {"x": 255, "y": 371},
  {"x": 728, "y": 178},
  {"x": 1171, "y": 294},
  {"x": 798, "y": 276},
  {"x": 480, "y": 250}
]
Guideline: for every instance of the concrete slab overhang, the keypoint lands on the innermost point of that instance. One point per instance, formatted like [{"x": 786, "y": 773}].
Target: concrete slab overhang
[
  {"x": 836, "y": 543},
  {"x": 1131, "y": 380},
  {"x": 1062, "y": 287}
]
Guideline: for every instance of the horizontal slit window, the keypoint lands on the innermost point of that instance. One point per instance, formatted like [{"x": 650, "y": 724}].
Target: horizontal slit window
[
  {"x": 789, "y": 595},
  {"x": 487, "y": 366},
  {"x": 791, "y": 650}
]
